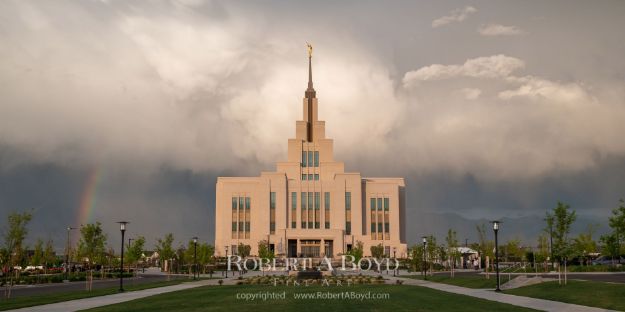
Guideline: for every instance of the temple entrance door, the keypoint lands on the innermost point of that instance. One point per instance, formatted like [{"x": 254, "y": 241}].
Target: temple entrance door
[
  {"x": 292, "y": 249},
  {"x": 328, "y": 248}
]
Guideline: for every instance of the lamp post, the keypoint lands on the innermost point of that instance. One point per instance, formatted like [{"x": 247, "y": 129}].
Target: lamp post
[
  {"x": 496, "y": 229},
  {"x": 549, "y": 220},
  {"x": 395, "y": 258},
  {"x": 122, "y": 228},
  {"x": 226, "y": 261},
  {"x": 425, "y": 268},
  {"x": 67, "y": 267},
  {"x": 195, "y": 256}
]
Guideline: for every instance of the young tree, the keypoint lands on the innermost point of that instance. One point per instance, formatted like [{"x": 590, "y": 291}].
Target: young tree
[
  {"x": 205, "y": 254},
  {"x": 49, "y": 256},
  {"x": 37, "y": 258},
  {"x": 244, "y": 250},
  {"x": 485, "y": 246},
  {"x": 263, "y": 250},
  {"x": 452, "y": 247},
  {"x": 563, "y": 219},
  {"x": 609, "y": 246},
  {"x": 512, "y": 250},
  {"x": 617, "y": 223},
  {"x": 377, "y": 251},
  {"x": 584, "y": 244},
  {"x": 92, "y": 243},
  {"x": 357, "y": 251},
  {"x": 416, "y": 257},
  {"x": 13, "y": 239},
  {"x": 165, "y": 249},
  {"x": 135, "y": 251},
  {"x": 542, "y": 252},
  {"x": 432, "y": 252}
]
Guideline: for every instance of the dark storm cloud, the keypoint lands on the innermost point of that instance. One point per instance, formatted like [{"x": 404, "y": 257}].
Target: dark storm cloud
[{"x": 488, "y": 109}]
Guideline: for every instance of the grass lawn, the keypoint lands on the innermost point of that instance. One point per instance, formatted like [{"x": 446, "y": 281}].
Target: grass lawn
[
  {"x": 29, "y": 301},
  {"x": 469, "y": 281},
  {"x": 219, "y": 298},
  {"x": 594, "y": 294}
]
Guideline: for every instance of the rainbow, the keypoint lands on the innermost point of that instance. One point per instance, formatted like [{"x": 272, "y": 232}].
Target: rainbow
[{"x": 88, "y": 197}]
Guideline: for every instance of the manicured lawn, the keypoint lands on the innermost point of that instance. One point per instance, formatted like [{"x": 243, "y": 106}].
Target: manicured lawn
[
  {"x": 29, "y": 301},
  {"x": 220, "y": 298},
  {"x": 469, "y": 281},
  {"x": 594, "y": 294}
]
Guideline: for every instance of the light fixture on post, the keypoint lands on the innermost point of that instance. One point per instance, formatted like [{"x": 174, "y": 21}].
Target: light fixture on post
[
  {"x": 195, "y": 257},
  {"x": 395, "y": 258},
  {"x": 67, "y": 266},
  {"x": 425, "y": 268},
  {"x": 226, "y": 261},
  {"x": 496, "y": 229},
  {"x": 122, "y": 228}
]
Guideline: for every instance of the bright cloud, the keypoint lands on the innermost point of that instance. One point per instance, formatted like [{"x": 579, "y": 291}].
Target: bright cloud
[
  {"x": 499, "y": 30},
  {"x": 523, "y": 126},
  {"x": 481, "y": 67},
  {"x": 457, "y": 15}
]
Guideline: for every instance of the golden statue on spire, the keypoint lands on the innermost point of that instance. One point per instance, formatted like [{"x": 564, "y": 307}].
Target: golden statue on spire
[{"x": 309, "y": 49}]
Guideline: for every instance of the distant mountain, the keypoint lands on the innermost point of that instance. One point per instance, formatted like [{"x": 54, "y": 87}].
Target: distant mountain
[{"x": 526, "y": 228}]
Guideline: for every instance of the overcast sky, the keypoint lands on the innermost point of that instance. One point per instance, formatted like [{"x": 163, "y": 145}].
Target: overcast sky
[{"x": 489, "y": 109}]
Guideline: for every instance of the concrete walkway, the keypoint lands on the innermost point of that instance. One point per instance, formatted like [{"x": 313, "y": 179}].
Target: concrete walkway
[
  {"x": 532, "y": 303},
  {"x": 94, "y": 302}
]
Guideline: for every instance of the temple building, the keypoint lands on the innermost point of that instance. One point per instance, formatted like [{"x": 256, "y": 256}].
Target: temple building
[{"x": 309, "y": 206}]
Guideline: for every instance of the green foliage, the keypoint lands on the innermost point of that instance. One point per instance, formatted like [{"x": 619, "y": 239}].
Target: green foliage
[
  {"x": 205, "y": 254},
  {"x": 49, "y": 256},
  {"x": 584, "y": 244},
  {"x": 617, "y": 223},
  {"x": 357, "y": 251},
  {"x": 561, "y": 220},
  {"x": 243, "y": 250},
  {"x": 181, "y": 254},
  {"x": 263, "y": 250},
  {"x": 452, "y": 245},
  {"x": 416, "y": 257},
  {"x": 542, "y": 253},
  {"x": 92, "y": 243},
  {"x": 610, "y": 245},
  {"x": 37, "y": 258},
  {"x": 512, "y": 250},
  {"x": 164, "y": 247},
  {"x": 135, "y": 251},
  {"x": 377, "y": 251},
  {"x": 485, "y": 246},
  {"x": 432, "y": 249},
  {"x": 14, "y": 236}
]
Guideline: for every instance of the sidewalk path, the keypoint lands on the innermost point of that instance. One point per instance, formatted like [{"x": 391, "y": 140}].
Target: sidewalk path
[
  {"x": 532, "y": 303},
  {"x": 93, "y": 302}
]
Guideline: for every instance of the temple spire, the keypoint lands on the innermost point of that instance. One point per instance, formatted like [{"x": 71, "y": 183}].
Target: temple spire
[{"x": 310, "y": 92}]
